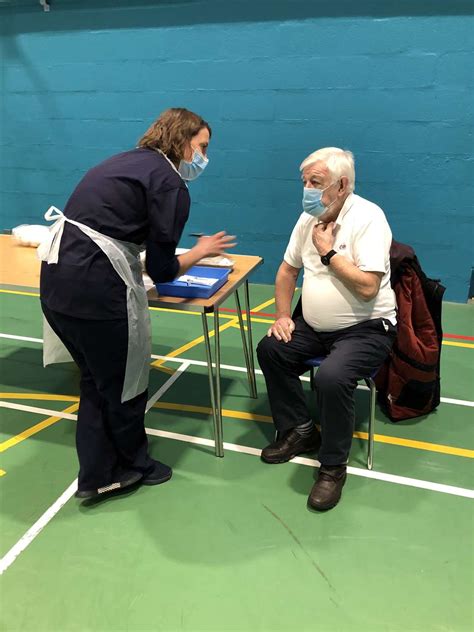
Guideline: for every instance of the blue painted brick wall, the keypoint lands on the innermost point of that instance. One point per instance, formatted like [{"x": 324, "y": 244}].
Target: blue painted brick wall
[{"x": 392, "y": 81}]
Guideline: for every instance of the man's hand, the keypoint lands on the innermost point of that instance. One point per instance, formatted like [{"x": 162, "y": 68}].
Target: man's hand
[
  {"x": 323, "y": 238},
  {"x": 282, "y": 329}
]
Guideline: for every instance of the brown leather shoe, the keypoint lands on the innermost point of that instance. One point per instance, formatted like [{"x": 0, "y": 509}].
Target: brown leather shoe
[
  {"x": 290, "y": 445},
  {"x": 327, "y": 490}
]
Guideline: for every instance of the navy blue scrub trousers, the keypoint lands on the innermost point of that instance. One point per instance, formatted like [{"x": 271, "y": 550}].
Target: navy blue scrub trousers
[{"x": 110, "y": 435}]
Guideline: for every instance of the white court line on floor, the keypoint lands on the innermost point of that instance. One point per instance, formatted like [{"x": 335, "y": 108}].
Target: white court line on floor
[
  {"x": 8, "y": 559},
  {"x": 169, "y": 382},
  {"x": 25, "y": 338},
  {"x": 49, "y": 514},
  {"x": 231, "y": 367},
  {"x": 34, "y": 409},
  {"x": 373, "y": 474},
  {"x": 242, "y": 369},
  {"x": 234, "y": 447}
]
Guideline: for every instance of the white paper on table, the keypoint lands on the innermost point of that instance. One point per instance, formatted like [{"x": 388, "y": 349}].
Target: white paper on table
[{"x": 190, "y": 279}]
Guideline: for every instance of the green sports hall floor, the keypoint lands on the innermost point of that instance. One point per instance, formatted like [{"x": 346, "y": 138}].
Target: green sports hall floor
[{"x": 228, "y": 544}]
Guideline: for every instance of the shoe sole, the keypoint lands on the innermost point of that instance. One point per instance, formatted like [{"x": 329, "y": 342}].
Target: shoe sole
[
  {"x": 106, "y": 491},
  {"x": 289, "y": 458},
  {"x": 157, "y": 481},
  {"x": 314, "y": 508}
]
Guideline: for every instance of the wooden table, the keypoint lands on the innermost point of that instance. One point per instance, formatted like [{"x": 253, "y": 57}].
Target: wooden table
[
  {"x": 19, "y": 266},
  {"x": 243, "y": 267}
]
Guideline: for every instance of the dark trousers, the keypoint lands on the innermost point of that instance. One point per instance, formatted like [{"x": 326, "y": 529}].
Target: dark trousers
[
  {"x": 352, "y": 353},
  {"x": 110, "y": 436}
]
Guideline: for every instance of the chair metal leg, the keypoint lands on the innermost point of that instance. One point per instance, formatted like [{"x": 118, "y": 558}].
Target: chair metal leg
[
  {"x": 373, "y": 397},
  {"x": 370, "y": 450},
  {"x": 214, "y": 386}
]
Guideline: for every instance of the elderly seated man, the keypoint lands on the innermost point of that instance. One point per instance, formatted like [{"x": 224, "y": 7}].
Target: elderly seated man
[{"x": 342, "y": 242}]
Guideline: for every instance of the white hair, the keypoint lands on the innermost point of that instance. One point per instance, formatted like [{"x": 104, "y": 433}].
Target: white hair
[{"x": 340, "y": 162}]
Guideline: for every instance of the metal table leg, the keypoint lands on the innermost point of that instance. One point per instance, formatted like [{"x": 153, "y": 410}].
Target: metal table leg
[
  {"x": 214, "y": 383},
  {"x": 218, "y": 419},
  {"x": 247, "y": 345}
]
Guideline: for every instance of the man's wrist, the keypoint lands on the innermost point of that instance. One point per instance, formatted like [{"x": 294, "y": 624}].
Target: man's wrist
[{"x": 327, "y": 258}]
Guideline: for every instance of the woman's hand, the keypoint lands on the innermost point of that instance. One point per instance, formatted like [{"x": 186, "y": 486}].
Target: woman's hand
[
  {"x": 208, "y": 246},
  {"x": 214, "y": 245},
  {"x": 282, "y": 329}
]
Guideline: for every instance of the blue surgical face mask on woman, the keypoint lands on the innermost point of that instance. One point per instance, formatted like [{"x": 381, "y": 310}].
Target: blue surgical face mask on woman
[
  {"x": 312, "y": 203},
  {"x": 191, "y": 170}
]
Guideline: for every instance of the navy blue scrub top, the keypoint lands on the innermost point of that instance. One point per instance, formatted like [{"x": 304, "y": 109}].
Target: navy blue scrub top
[{"x": 135, "y": 196}]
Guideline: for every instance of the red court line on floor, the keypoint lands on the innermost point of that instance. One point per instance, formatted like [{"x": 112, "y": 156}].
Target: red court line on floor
[{"x": 458, "y": 336}]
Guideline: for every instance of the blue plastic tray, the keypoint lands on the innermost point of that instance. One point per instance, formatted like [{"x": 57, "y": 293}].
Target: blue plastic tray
[{"x": 178, "y": 288}]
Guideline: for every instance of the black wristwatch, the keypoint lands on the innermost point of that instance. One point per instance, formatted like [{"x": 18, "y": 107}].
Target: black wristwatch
[{"x": 326, "y": 259}]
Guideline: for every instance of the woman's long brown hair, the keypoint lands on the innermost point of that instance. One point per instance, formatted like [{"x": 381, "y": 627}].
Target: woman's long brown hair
[{"x": 172, "y": 131}]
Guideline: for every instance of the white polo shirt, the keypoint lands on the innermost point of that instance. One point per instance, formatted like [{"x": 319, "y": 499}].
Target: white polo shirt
[{"x": 363, "y": 236}]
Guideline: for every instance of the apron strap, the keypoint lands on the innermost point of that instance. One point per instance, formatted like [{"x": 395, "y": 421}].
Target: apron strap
[
  {"x": 49, "y": 250},
  {"x": 53, "y": 213}
]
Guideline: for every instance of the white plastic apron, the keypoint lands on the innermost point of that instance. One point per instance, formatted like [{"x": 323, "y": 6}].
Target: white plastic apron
[{"x": 124, "y": 257}]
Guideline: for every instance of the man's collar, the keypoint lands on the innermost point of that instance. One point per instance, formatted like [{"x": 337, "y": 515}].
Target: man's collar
[{"x": 346, "y": 206}]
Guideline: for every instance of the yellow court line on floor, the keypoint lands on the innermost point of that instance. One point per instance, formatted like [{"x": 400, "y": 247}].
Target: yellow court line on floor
[
  {"x": 256, "y": 319},
  {"x": 165, "y": 369},
  {"x": 458, "y": 344},
  {"x": 18, "y": 292},
  {"x": 40, "y": 397},
  {"x": 237, "y": 326},
  {"x": 206, "y": 410},
  {"x": 189, "y": 345},
  {"x": 197, "y": 341},
  {"x": 419, "y": 445},
  {"x": 157, "y": 364},
  {"x": 407, "y": 443},
  {"x": 263, "y": 305},
  {"x": 232, "y": 414},
  {"x": 5, "y": 445}
]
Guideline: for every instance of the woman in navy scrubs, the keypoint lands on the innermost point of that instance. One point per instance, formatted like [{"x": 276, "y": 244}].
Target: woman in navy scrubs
[{"x": 92, "y": 293}]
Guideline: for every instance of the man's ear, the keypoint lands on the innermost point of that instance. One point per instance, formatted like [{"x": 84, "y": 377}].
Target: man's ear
[{"x": 344, "y": 184}]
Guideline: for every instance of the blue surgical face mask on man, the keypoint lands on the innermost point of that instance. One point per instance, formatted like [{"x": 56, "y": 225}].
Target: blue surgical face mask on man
[
  {"x": 191, "y": 170},
  {"x": 312, "y": 203}
]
